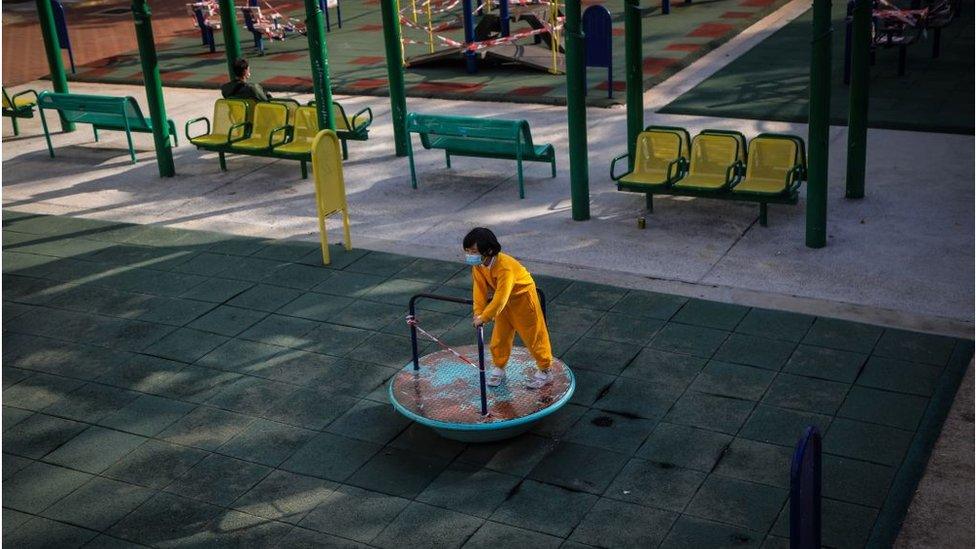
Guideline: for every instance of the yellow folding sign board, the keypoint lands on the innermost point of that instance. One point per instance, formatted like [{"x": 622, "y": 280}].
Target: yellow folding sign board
[{"x": 330, "y": 189}]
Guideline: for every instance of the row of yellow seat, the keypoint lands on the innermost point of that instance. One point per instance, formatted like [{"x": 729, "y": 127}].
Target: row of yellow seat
[
  {"x": 279, "y": 129},
  {"x": 715, "y": 164}
]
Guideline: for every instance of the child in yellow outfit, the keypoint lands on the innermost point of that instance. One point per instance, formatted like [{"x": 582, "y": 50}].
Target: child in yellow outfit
[{"x": 505, "y": 292}]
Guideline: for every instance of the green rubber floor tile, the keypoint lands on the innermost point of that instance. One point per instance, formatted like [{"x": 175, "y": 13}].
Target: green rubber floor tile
[
  {"x": 805, "y": 393},
  {"x": 824, "y": 363},
  {"x": 655, "y": 484},
  {"x": 389, "y": 350},
  {"x": 561, "y": 342},
  {"x": 623, "y": 328},
  {"x": 310, "y": 408},
  {"x": 755, "y": 351},
  {"x": 91, "y": 403},
  {"x": 174, "y": 312},
  {"x": 39, "y": 434},
  {"x": 781, "y": 325},
  {"x": 349, "y": 284},
  {"x": 867, "y": 441},
  {"x": 13, "y": 416},
  {"x": 354, "y": 513},
  {"x": 897, "y": 375},
  {"x": 492, "y": 535},
  {"x": 185, "y": 345},
  {"x": 421, "y": 524},
  {"x": 339, "y": 257},
  {"x": 39, "y": 391},
  {"x": 587, "y": 295},
  {"x": 330, "y": 457},
  {"x": 358, "y": 379},
  {"x": 216, "y": 290},
  {"x": 856, "y": 481},
  {"x": 692, "y": 533},
  {"x": 13, "y": 376},
  {"x": 370, "y": 421},
  {"x": 423, "y": 440},
  {"x": 781, "y": 426},
  {"x": 15, "y": 519},
  {"x": 242, "y": 356},
  {"x": 571, "y": 320},
  {"x": 98, "y": 504},
  {"x": 41, "y": 532},
  {"x": 235, "y": 245},
  {"x": 843, "y": 335},
  {"x": 756, "y": 462},
  {"x": 37, "y": 486},
  {"x": 285, "y": 496},
  {"x": 711, "y": 314},
  {"x": 166, "y": 517},
  {"x": 590, "y": 385},
  {"x": 738, "y": 503},
  {"x": 601, "y": 356},
  {"x": 298, "y": 368},
  {"x": 205, "y": 264},
  {"x": 544, "y": 508},
  {"x": 716, "y": 413},
  {"x": 369, "y": 315},
  {"x": 398, "y": 291},
  {"x": 251, "y": 269},
  {"x": 398, "y": 472},
  {"x": 670, "y": 370},
  {"x": 197, "y": 384},
  {"x": 733, "y": 380},
  {"x": 301, "y": 277},
  {"x": 632, "y": 397},
  {"x": 691, "y": 340},
  {"x": 264, "y": 297},
  {"x": 227, "y": 321},
  {"x": 842, "y": 524},
  {"x": 250, "y": 396},
  {"x": 884, "y": 407},
  {"x": 516, "y": 456},
  {"x": 234, "y": 529},
  {"x": 95, "y": 449},
  {"x": 286, "y": 250},
  {"x": 649, "y": 304},
  {"x": 218, "y": 480},
  {"x": 280, "y": 330},
  {"x": 335, "y": 340},
  {"x": 684, "y": 447},
  {"x": 578, "y": 467},
  {"x": 380, "y": 264},
  {"x": 301, "y": 538},
  {"x": 915, "y": 347},
  {"x": 266, "y": 442},
  {"x": 205, "y": 428},
  {"x": 433, "y": 271},
  {"x": 469, "y": 490},
  {"x": 447, "y": 307},
  {"x": 558, "y": 423},
  {"x": 147, "y": 415},
  {"x": 152, "y": 282},
  {"x": 611, "y": 431},
  {"x": 616, "y": 524},
  {"x": 433, "y": 322},
  {"x": 155, "y": 464}
]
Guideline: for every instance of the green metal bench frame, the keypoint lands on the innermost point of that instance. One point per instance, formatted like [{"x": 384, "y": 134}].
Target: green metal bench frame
[
  {"x": 511, "y": 140},
  {"x": 102, "y": 112},
  {"x": 14, "y": 112},
  {"x": 354, "y": 133},
  {"x": 789, "y": 196}
]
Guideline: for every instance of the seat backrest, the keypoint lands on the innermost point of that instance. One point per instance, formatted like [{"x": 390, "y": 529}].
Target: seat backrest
[
  {"x": 289, "y": 104},
  {"x": 656, "y": 149},
  {"x": 305, "y": 124},
  {"x": 712, "y": 154},
  {"x": 134, "y": 113},
  {"x": 342, "y": 122},
  {"x": 76, "y": 107},
  {"x": 772, "y": 157},
  {"x": 268, "y": 116},
  {"x": 330, "y": 187},
  {"x": 492, "y": 129},
  {"x": 227, "y": 112}
]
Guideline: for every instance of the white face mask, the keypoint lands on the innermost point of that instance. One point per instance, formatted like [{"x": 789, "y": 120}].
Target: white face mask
[{"x": 472, "y": 259}]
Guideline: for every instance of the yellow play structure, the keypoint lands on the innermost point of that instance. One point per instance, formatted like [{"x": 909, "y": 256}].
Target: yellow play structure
[{"x": 330, "y": 188}]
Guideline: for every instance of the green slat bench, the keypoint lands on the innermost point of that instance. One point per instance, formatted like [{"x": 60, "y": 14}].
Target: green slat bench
[
  {"x": 477, "y": 137},
  {"x": 102, "y": 112}
]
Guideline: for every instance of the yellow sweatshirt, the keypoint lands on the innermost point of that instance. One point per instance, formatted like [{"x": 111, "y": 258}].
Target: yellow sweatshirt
[{"x": 506, "y": 277}]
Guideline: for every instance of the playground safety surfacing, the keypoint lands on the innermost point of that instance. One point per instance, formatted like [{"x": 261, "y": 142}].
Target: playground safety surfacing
[
  {"x": 358, "y": 65},
  {"x": 177, "y": 388}
]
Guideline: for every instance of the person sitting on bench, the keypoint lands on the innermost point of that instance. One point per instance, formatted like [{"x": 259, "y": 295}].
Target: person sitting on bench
[{"x": 240, "y": 88}]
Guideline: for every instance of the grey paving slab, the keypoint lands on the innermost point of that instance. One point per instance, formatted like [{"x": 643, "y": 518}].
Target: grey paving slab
[
  {"x": 856, "y": 481},
  {"x": 806, "y": 394},
  {"x": 610, "y": 431},
  {"x": 756, "y": 462},
  {"x": 218, "y": 479},
  {"x": 781, "y": 426},
  {"x": 867, "y": 441},
  {"x": 266, "y": 442},
  {"x": 310, "y": 408},
  {"x": 775, "y": 324},
  {"x": 739, "y": 503},
  {"x": 874, "y": 406},
  {"x": 636, "y": 397},
  {"x": 284, "y": 496},
  {"x": 41, "y": 532},
  {"x": 433, "y": 527},
  {"x": 98, "y": 504},
  {"x": 420, "y": 439},
  {"x": 39, "y": 434},
  {"x": 370, "y": 421},
  {"x": 354, "y": 513},
  {"x": 168, "y": 520},
  {"x": 155, "y": 464},
  {"x": 517, "y": 456},
  {"x": 91, "y": 403},
  {"x": 250, "y": 395},
  {"x": 545, "y": 508},
  {"x": 684, "y": 446},
  {"x": 656, "y": 484},
  {"x": 762, "y": 352},
  {"x": 824, "y": 363},
  {"x": 35, "y": 487},
  {"x": 493, "y": 534},
  {"x": 468, "y": 489},
  {"x": 398, "y": 472},
  {"x": 717, "y": 413},
  {"x": 733, "y": 380},
  {"x": 616, "y": 524},
  {"x": 898, "y": 375},
  {"x": 147, "y": 415},
  {"x": 578, "y": 467},
  {"x": 12, "y": 464},
  {"x": 691, "y": 532},
  {"x": 205, "y": 428},
  {"x": 330, "y": 456},
  {"x": 301, "y": 538},
  {"x": 95, "y": 449}
]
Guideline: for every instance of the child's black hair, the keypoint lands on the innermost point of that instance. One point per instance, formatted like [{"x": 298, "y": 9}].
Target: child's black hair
[{"x": 484, "y": 240}]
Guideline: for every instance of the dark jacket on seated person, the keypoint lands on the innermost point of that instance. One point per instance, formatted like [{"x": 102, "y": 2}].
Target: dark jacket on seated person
[{"x": 239, "y": 89}]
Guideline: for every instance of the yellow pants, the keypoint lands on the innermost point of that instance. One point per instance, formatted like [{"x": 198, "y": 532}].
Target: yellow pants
[{"x": 522, "y": 315}]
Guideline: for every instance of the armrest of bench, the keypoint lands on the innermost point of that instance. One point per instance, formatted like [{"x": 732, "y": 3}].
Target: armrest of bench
[
  {"x": 368, "y": 112},
  {"x": 679, "y": 163},
  {"x": 794, "y": 177},
  {"x": 230, "y": 132},
  {"x": 186, "y": 127},
  {"x": 733, "y": 173},
  {"x": 613, "y": 164},
  {"x": 13, "y": 99},
  {"x": 284, "y": 139}
]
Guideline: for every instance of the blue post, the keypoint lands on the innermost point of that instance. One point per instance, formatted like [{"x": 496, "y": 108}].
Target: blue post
[
  {"x": 481, "y": 370},
  {"x": 805, "y": 531},
  {"x": 503, "y": 16},
  {"x": 665, "y": 7},
  {"x": 470, "y": 57},
  {"x": 61, "y": 24}
]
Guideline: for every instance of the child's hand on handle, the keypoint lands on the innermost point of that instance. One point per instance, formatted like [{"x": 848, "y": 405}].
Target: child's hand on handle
[{"x": 477, "y": 321}]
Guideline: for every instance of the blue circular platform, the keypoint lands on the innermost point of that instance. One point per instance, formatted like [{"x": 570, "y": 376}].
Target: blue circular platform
[{"x": 445, "y": 395}]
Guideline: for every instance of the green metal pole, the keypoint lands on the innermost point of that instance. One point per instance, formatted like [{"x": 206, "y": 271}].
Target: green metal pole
[
  {"x": 857, "y": 118},
  {"x": 228, "y": 26},
  {"x": 154, "y": 87},
  {"x": 579, "y": 176},
  {"x": 819, "y": 125},
  {"x": 52, "y": 47},
  {"x": 318, "y": 54},
  {"x": 394, "y": 73},
  {"x": 635, "y": 76}
]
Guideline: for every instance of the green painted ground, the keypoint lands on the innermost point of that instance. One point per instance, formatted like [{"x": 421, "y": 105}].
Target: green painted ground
[
  {"x": 178, "y": 388},
  {"x": 357, "y": 58},
  {"x": 770, "y": 82}
]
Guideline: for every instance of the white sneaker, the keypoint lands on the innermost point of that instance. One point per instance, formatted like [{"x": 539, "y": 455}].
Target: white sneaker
[
  {"x": 496, "y": 376},
  {"x": 540, "y": 379}
]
